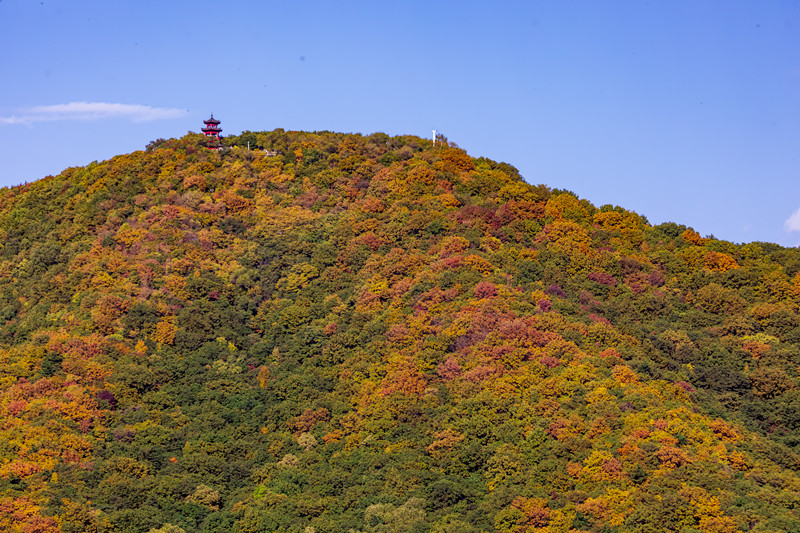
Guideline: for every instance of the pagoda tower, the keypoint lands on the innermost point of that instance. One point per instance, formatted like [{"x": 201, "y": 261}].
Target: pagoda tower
[{"x": 212, "y": 130}]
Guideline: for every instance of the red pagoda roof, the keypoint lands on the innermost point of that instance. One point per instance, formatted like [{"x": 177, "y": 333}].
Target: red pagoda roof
[{"x": 212, "y": 120}]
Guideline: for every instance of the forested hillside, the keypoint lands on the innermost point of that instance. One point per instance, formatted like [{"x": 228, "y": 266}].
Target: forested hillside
[{"x": 339, "y": 333}]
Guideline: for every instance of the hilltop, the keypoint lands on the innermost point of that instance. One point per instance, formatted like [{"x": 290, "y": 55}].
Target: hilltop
[{"x": 336, "y": 332}]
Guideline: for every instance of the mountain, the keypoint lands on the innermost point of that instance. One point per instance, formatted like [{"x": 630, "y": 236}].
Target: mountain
[{"x": 344, "y": 333}]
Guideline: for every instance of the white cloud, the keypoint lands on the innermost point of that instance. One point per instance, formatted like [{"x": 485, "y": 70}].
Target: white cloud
[
  {"x": 91, "y": 111},
  {"x": 793, "y": 222}
]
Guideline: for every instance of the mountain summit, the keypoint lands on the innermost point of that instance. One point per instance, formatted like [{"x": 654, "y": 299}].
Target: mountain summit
[{"x": 337, "y": 333}]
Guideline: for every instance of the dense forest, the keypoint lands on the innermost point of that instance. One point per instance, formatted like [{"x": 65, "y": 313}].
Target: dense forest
[{"x": 337, "y": 333}]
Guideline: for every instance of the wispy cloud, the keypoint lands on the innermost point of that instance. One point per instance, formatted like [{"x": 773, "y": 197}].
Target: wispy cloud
[
  {"x": 793, "y": 222},
  {"x": 91, "y": 111}
]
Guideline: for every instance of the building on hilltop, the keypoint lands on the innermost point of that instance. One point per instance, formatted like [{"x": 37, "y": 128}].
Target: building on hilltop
[{"x": 212, "y": 130}]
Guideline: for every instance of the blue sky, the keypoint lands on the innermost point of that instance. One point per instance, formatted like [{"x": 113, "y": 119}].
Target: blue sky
[{"x": 683, "y": 111}]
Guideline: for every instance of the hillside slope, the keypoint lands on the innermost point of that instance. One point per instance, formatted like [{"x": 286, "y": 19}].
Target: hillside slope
[{"x": 373, "y": 334}]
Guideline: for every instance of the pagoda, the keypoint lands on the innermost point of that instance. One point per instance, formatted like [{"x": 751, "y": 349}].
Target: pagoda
[{"x": 212, "y": 130}]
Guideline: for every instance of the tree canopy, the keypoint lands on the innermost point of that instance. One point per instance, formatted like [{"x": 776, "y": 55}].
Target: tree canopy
[{"x": 344, "y": 333}]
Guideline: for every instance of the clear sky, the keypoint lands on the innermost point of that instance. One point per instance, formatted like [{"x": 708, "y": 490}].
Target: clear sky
[{"x": 683, "y": 111}]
